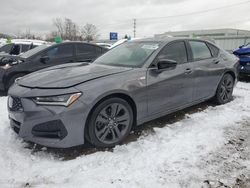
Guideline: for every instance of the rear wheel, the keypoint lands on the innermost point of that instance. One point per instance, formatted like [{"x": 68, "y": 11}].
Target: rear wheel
[
  {"x": 110, "y": 122},
  {"x": 225, "y": 89}
]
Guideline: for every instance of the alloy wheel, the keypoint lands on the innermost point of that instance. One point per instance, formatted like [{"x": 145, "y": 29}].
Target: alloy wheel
[
  {"x": 112, "y": 123},
  {"x": 226, "y": 88}
]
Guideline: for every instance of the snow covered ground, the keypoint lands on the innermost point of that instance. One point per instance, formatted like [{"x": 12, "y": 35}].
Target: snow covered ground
[{"x": 208, "y": 148}]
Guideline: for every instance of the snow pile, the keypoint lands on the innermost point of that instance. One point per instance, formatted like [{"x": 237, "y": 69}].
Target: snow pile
[{"x": 167, "y": 158}]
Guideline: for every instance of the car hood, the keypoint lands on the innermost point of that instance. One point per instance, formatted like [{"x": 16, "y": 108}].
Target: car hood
[
  {"x": 10, "y": 56},
  {"x": 242, "y": 51},
  {"x": 65, "y": 76}
]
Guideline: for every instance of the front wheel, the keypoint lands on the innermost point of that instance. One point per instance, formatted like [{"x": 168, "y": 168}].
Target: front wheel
[
  {"x": 110, "y": 122},
  {"x": 225, "y": 89}
]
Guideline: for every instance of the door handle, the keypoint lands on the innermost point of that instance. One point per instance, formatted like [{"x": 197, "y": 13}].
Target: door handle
[
  {"x": 188, "y": 71},
  {"x": 216, "y": 61}
]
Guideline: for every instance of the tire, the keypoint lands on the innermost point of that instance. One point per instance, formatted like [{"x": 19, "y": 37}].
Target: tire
[
  {"x": 110, "y": 123},
  {"x": 12, "y": 80},
  {"x": 225, "y": 89}
]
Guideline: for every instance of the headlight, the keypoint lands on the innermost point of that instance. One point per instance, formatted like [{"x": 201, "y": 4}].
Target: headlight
[
  {"x": 7, "y": 66},
  {"x": 59, "y": 100}
]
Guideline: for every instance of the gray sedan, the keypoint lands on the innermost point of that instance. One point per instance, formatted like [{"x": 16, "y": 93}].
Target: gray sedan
[{"x": 63, "y": 106}]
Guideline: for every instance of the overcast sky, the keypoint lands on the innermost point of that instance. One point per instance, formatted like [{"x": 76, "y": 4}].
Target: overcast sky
[{"x": 117, "y": 15}]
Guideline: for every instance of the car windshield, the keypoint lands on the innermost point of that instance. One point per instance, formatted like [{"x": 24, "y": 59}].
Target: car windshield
[
  {"x": 247, "y": 45},
  {"x": 6, "y": 48},
  {"x": 129, "y": 54},
  {"x": 33, "y": 51}
]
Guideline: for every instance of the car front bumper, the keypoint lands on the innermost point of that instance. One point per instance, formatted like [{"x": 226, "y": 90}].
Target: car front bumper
[
  {"x": 51, "y": 126},
  {"x": 244, "y": 70}
]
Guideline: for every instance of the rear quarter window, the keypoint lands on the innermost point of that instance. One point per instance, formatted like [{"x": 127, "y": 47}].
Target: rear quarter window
[{"x": 214, "y": 50}]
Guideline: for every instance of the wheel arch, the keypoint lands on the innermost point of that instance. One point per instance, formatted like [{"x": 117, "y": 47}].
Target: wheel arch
[
  {"x": 232, "y": 73},
  {"x": 121, "y": 95}
]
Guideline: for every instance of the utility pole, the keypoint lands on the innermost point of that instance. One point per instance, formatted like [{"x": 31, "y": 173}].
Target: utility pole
[{"x": 134, "y": 27}]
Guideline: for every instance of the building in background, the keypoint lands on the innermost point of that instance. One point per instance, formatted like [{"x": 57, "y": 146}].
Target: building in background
[{"x": 229, "y": 39}]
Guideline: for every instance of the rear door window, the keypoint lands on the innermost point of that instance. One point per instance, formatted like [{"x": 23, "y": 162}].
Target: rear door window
[
  {"x": 200, "y": 50},
  {"x": 175, "y": 51},
  {"x": 6, "y": 48},
  {"x": 82, "y": 49}
]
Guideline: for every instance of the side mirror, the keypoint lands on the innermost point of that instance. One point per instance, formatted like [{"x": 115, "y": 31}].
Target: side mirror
[
  {"x": 241, "y": 46},
  {"x": 44, "y": 59},
  {"x": 166, "y": 64}
]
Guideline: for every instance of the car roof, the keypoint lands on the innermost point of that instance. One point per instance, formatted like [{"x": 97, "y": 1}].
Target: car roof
[
  {"x": 169, "y": 39},
  {"x": 77, "y": 42},
  {"x": 28, "y": 41}
]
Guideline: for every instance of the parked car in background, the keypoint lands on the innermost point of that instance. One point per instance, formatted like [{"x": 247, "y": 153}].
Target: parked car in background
[
  {"x": 2, "y": 41},
  {"x": 105, "y": 45},
  {"x": 13, "y": 67},
  {"x": 244, "y": 55},
  {"x": 121, "y": 41},
  {"x": 20, "y": 46},
  {"x": 133, "y": 83}
]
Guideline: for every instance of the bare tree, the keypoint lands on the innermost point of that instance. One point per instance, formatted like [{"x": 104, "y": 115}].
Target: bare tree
[
  {"x": 51, "y": 36},
  {"x": 27, "y": 34},
  {"x": 69, "y": 30},
  {"x": 58, "y": 23},
  {"x": 66, "y": 29},
  {"x": 89, "y": 32}
]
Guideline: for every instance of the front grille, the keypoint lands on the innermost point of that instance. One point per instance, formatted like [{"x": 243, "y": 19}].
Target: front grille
[{"x": 15, "y": 104}]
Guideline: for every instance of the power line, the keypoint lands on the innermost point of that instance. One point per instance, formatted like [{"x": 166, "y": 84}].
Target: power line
[
  {"x": 197, "y": 12},
  {"x": 125, "y": 22}
]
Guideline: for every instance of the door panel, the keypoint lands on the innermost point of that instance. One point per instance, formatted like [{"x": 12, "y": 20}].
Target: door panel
[
  {"x": 170, "y": 89},
  {"x": 207, "y": 70},
  {"x": 173, "y": 87},
  {"x": 207, "y": 76}
]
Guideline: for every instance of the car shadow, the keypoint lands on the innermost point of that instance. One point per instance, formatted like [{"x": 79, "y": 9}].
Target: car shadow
[
  {"x": 3, "y": 94},
  {"x": 245, "y": 79},
  {"x": 144, "y": 129}
]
